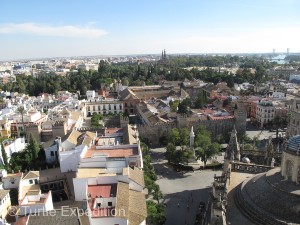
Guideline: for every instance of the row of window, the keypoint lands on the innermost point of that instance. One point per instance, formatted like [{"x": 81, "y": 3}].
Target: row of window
[
  {"x": 4, "y": 199},
  {"x": 94, "y": 108},
  {"x": 102, "y": 112},
  {"x": 265, "y": 110},
  {"x": 35, "y": 181}
]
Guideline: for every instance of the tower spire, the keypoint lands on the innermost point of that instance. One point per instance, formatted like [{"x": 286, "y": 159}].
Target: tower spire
[
  {"x": 192, "y": 137},
  {"x": 233, "y": 149}
]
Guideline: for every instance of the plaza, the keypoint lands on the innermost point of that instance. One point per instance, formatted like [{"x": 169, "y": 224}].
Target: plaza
[{"x": 182, "y": 192}]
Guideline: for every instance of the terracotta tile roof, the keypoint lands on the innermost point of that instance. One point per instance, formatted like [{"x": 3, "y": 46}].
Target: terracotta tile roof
[
  {"x": 74, "y": 135},
  {"x": 26, "y": 189},
  {"x": 91, "y": 134},
  {"x": 206, "y": 111},
  {"x": 103, "y": 190},
  {"x": 113, "y": 130},
  {"x": 137, "y": 207},
  {"x": 87, "y": 141},
  {"x": 127, "y": 94},
  {"x": 137, "y": 175},
  {"x": 111, "y": 153},
  {"x": 132, "y": 203},
  {"x": 55, "y": 217},
  {"x": 32, "y": 174},
  {"x": 122, "y": 199},
  {"x": 221, "y": 117},
  {"x": 75, "y": 115},
  {"x": 65, "y": 111}
]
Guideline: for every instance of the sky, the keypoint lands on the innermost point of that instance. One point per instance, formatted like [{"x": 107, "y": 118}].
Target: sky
[{"x": 37, "y": 29}]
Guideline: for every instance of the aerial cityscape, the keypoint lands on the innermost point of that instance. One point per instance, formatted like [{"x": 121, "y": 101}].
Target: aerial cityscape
[{"x": 150, "y": 112}]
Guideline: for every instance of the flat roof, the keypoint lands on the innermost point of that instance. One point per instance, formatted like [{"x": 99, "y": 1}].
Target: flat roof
[
  {"x": 102, "y": 190},
  {"x": 92, "y": 172},
  {"x": 111, "y": 153}
]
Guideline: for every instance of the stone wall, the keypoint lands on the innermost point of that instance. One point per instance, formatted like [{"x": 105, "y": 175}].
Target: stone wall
[{"x": 155, "y": 132}]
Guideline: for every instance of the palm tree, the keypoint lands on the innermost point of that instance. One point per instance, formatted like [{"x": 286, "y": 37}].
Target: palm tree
[{"x": 21, "y": 110}]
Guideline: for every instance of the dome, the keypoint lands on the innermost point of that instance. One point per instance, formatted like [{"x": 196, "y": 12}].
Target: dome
[
  {"x": 245, "y": 160},
  {"x": 294, "y": 143}
]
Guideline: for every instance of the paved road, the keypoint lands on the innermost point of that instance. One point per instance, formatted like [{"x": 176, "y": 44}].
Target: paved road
[{"x": 186, "y": 189}]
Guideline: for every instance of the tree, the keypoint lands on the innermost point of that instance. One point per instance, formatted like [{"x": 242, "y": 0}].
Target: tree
[
  {"x": 21, "y": 110},
  {"x": 279, "y": 123},
  {"x": 33, "y": 148},
  {"x": 156, "y": 213},
  {"x": 4, "y": 155},
  {"x": 170, "y": 152},
  {"x": 174, "y": 136},
  {"x": 96, "y": 118},
  {"x": 184, "y": 136},
  {"x": 204, "y": 148},
  {"x": 199, "y": 103},
  {"x": 205, "y": 153},
  {"x": 156, "y": 193},
  {"x": 174, "y": 105},
  {"x": 230, "y": 81},
  {"x": 184, "y": 105}
]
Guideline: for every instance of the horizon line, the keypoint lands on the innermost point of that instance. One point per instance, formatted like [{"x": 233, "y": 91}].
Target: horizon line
[{"x": 145, "y": 54}]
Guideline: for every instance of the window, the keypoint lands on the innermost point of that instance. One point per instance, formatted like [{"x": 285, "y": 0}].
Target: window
[
  {"x": 30, "y": 181},
  {"x": 52, "y": 153},
  {"x": 98, "y": 205},
  {"x": 109, "y": 203}
]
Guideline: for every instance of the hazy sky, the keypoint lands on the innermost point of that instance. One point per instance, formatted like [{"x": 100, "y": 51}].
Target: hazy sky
[{"x": 114, "y": 27}]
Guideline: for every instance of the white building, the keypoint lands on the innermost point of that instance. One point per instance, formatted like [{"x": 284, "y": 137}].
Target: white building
[
  {"x": 10, "y": 181},
  {"x": 265, "y": 112},
  {"x": 278, "y": 95},
  {"x": 12, "y": 146},
  {"x": 5, "y": 203},
  {"x": 295, "y": 78},
  {"x": 31, "y": 200},
  {"x": 104, "y": 107},
  {"x": 113, "y": 149},
  {"x": 111, "y": 198}
]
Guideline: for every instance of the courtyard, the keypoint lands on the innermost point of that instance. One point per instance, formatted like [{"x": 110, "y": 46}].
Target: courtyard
[{"x": 182, "y": 192}]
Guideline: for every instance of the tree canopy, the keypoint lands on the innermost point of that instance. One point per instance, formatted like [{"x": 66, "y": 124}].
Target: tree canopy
[
  {"x": 204, "y": 148},
  {"x": 150, "y": 73}
]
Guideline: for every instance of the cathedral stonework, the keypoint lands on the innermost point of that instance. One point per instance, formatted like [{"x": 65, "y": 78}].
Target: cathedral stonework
[{"x": 290, "y": 164}]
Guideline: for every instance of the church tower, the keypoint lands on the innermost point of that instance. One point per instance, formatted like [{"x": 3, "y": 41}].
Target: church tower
[{"x": 240, "y": 115}]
